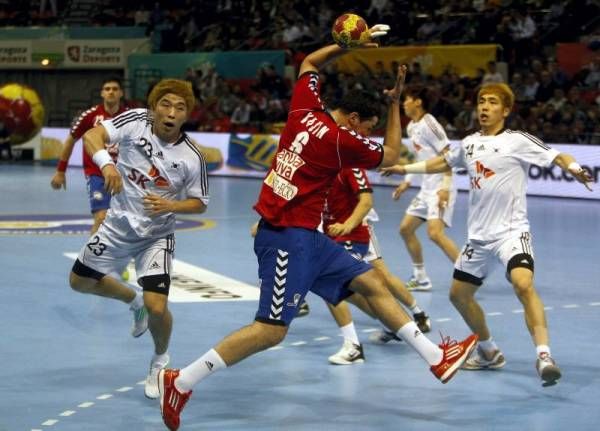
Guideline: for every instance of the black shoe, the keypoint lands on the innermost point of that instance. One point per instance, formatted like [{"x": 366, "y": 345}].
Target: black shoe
[
  {"x": 303, "y": 310},
  {"x": 422, "y": 321}
]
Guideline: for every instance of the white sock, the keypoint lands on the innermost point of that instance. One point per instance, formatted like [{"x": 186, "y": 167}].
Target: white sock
[
  {"x": 138, "y": 301},
  {"x": 415, "y": 309},
  {"x": 419, "y": 271},
  {"x": 162, "y": 359},
  {"x": 542, "y": 348},
  {"x": 349, "y": 333},
  {"x": 488, "y": 346},
  {"x": 203, "y": 367},
  {"x": 428, "y": 351}
]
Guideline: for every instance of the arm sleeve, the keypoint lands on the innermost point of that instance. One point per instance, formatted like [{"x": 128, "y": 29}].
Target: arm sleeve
[
  {"x": 127, "y": 124},
  {"x": 530, "y": 149},
  {"x": 306, "y": 93},
  {"x": 196, "y": 182},
  {"x": 82, "y": 124},
  {"x": 355, "y": 151},
  {"x": 357, "y": 180},
  {"x": 455, "y": 157},
  {"x": 435, "y": 135}
]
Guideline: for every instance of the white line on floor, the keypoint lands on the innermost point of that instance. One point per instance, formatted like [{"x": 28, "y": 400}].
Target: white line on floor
[
  {"x": 495, "y": 313},
  {"x": 86, "y": 405},
  {"x": 370, "y": 330},
  {"x": 275, "y": 348},
  {"x": 104, "y": 397},
  {"x": 443, "y": 319},
  {"x": 124, "y": 389},
  {"x": 571, "y": 306},
  {"x": 299, "y": 343},
  {"x": 68, "y": 413},
  {"x": 321, "y": 338},
  {"x": 518, "y": 311},
  {"x": 49, "y": 422}
]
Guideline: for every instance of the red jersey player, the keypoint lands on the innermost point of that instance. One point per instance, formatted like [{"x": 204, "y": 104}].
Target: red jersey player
[
  {"x": 293, "y": 256},
  {"x": 110, "y": 107}
]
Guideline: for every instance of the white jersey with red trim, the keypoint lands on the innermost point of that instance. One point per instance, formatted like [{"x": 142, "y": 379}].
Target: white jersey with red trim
[
  {"x": 428, "y": 140},
  {"x": 149, "y": 165},
  {"x": 498, "y": 167}
]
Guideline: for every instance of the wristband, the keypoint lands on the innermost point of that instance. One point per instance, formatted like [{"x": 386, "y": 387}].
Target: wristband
[
  {"x": 62, "y": 165},
  {"x": 102, "y": 158},
  {"x": 415, "y": 168},
  {"x": 574, "y": 166}
]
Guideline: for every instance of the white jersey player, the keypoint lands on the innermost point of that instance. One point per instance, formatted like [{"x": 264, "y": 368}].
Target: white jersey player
[
  {"x": 498, "y": 161},
  {"x": 434, "y": 203},
  {"x": 160, "y": 172}
]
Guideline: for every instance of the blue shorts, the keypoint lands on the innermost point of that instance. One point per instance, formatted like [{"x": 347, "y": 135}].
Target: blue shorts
[
  {"x": 292, "y": 261},
  {"x": 358, "y": 250},
  {"x": 99, "y": 198}
]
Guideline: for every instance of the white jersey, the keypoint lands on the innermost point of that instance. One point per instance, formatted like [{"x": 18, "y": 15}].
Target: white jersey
[
  {"x": 428, "y": 139},
  {"x": 498, "y": 167},
  {"x": 149, "y": 165}
]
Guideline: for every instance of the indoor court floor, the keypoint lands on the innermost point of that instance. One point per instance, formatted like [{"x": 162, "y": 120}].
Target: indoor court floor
[{"x": 70, "y": 364}]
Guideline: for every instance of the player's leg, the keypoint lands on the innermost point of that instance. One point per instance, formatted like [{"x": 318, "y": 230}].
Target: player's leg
[
  {"x": 469, "y": 271},
  {"x": 284, "y": 256},
  {"x": 517, "y": 254},
  {"x": 415, "y": 216},
  {"x": 99, "y": 200},
  {"x": 436, "y": 230}
]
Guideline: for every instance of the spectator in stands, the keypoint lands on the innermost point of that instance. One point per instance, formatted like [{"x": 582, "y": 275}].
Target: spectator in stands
[
  {"x": 492, "y": 74},
  {"x": 558, "y": 99},
  {"x": 546, "y": 88},
  {"x": 241, "y": 115},
  {"x": 531, "y": 86}
]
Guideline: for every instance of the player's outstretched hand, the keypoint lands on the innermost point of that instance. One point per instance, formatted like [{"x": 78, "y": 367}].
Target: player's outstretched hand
[
  {"x": 443, "y": 198},
  {"x": 395, "y": 93},
  {"x": 59, "y": 181},
  {"x": 339, "y": 229},
  {"x": 583, "y": 177},
  {"x": 394, "y": 169},
  {"x": 398, "y": 191},
  {"x": 113, "y": 183},
  {"x": 157, "y": 205}
]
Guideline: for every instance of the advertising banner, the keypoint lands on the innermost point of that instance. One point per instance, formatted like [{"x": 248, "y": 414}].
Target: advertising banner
[
  {"x": 251, "y": 155},
  {"x": 15, "y": 54},
  {"x": 94, "y": 53},
  {"x": 434, "y": 59}
]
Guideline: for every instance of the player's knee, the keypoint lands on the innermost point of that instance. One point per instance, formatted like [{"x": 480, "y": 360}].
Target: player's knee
[
  {"x": 435, "y": 235},
  {"x": 459, "y": 296},
  {"x": 156, "y": 307},
  {"x": 522, "y": 286},
  {"x": 272, "y": 335},
  {"x": 406, "y": 230},
  {"x": 81, "y": 284}
]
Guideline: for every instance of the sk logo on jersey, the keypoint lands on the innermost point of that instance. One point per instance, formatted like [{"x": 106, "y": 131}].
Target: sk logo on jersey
[
  {"x": 158, "y": 179},
  {"x": 417, "y": 147},
  {"x": 482, "y": 173}
]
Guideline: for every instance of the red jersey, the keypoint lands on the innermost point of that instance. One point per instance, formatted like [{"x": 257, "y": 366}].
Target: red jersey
[
  {"x": 312, "y": 150},
  {"x": 341, "y": 201},
  {"x": 86, "y": 121}
]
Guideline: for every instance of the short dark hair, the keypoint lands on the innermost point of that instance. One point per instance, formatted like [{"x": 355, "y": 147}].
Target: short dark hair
[
  {"x": 419, "y": 92},
  {"x": 112, "y": 79},
  {"x": 361, "y": 102}
]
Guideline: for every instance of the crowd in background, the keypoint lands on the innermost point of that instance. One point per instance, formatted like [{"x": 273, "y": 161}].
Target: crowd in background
[{"x": 550, "y": 103}]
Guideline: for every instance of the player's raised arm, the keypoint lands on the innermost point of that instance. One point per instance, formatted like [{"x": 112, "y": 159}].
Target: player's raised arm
[
  {"x": 94, "y": 143},
  {"x": 568, "y": 164},
  {"x": 392, "y": 142}
]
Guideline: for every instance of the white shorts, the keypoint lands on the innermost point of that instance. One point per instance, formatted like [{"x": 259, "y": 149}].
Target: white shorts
[
  {"x": 476, "y": 260},
  {"x": 107, "y": 252},
  {"x": 425, "y": 206},
  {"x": 363, "y": 251},
  {"x": 374, "y": 251}
]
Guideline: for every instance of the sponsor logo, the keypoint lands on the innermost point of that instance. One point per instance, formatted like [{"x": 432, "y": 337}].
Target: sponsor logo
[
  {"x": 295, "y": 301},
  {"x": 63, "y": 224},
  {"x": 287, "y": 164},
  {"x": 98, "y": 196},
  {"x": 155, "y": 265},
  {"x": 209, "y": 365},
  {"x": 481, "y": 173}
]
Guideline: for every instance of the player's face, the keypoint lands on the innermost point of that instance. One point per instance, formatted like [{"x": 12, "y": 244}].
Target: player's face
[
  {"x": 169, "y": 115},
  {"x": 490, "y": 110},
  {"x": 410, "y": 106},
  {"x": 362, "y": 126},
  {"x": 111, "y": 93}
]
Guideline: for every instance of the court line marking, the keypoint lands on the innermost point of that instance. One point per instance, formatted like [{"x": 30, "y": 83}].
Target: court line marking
[{"x": 87, "y": 404}]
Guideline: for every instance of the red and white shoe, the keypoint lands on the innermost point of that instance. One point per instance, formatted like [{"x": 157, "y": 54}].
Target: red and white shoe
[
  {"x": 171, "y": 400},
  {"x": 455, "y": 353}
]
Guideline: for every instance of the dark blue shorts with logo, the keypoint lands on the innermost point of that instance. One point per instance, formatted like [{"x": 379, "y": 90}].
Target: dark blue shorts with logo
[
  {"x": 99, "y": 198},
  {"x": 292, "y": 261}
]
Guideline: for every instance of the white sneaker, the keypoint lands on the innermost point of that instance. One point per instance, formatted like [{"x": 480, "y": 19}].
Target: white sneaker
[
  {"x": 414, "y": 284},
  {"x": 151, "y": 384},
  {"x": 383, "y": 336},
  {"x": 547, "y": 369},
  {"x": 479, "y": 360},
  {"x": 140, "y": 321},
  {"x": 350, "y": 353}
]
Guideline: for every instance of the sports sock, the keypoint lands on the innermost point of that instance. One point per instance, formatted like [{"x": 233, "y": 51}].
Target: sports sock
[
  {"x": 413, "y": 336},
  {"x": 488, "y": 345},
  {"x": 349, "y": 333},
  {"x": 138, "y": 301},
  {"x": 415, "y": 309},
  {"x": 419, "y": 271},
  {"x": 162, "y": 359},
  {"x": 542, "y": 348},
  {"x": 203, "y": 367}
]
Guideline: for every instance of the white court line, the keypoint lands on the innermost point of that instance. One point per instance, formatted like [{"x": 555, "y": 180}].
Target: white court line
[
  {"x": 49, "y": 422},
  {"x": 68, "y": 413},
  {"x": 321, "y": 338},
  {"x": 104, "y": 397},
  {"x": 124, "y": 389},
  {"x": 518, "y": 311},
  {"x": 571, "y": 306},
  {"x": 275, "y": 348},
  {"x": 86, "y": 405},
  {"x": 548, "y": 308},
  {"x": 495, "y": 313},
  {"x": 299, "y": 343},
  {"x": 141, "y": 382},
  {"x": 595, "y": 304},
  {"x": 443, "y": 319},
  {"x": 370, "y": 330}
]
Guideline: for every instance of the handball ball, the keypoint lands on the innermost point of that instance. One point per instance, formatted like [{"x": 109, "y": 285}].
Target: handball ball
[
  {"x": 350, "y": 31},
  {"x": 21, "y": 112}
]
